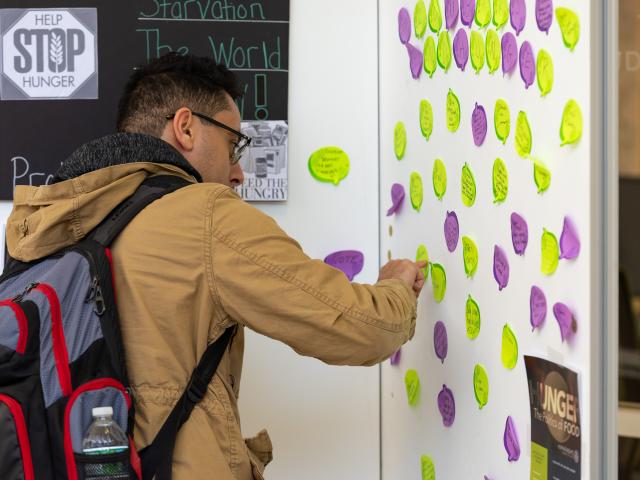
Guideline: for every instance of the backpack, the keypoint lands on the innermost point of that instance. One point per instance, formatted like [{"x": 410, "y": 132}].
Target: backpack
[{"x": 61, "y": 355}]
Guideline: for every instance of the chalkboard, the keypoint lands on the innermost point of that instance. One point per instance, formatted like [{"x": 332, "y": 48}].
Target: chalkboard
[{"x": 250, "y": 37}]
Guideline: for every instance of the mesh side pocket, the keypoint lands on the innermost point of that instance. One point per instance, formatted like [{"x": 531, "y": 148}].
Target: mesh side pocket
[{"x": 114, "y": 466}]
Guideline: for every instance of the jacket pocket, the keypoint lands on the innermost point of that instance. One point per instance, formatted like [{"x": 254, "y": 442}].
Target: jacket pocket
[{"x": 15, "y": 449}]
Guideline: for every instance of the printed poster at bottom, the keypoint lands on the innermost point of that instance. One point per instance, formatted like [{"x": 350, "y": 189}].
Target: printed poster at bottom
[{"x": 555, "y": 420}]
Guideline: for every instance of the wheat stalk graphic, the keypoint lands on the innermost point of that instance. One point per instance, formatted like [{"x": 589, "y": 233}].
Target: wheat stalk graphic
[{"x": 56, "y": 54}]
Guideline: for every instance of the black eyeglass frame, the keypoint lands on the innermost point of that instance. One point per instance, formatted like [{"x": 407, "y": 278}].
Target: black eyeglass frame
[{"x": 239, "y": 147}]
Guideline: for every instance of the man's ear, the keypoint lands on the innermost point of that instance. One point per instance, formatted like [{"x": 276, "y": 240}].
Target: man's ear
[{"x": 183, "y": 128}]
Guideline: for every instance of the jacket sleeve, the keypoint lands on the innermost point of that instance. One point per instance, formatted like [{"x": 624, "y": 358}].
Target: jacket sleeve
[{"x": 261, "y": 278}]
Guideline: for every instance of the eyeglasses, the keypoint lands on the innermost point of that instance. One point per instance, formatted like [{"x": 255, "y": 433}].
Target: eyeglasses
[{"x": 238, "y": 147}]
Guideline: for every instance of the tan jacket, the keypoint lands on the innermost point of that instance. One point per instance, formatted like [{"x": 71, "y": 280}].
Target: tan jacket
[{"x": 192, "y": 264}]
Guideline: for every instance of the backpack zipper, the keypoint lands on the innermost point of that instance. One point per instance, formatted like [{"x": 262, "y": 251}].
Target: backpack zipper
[{"x": 27, "y": 289}]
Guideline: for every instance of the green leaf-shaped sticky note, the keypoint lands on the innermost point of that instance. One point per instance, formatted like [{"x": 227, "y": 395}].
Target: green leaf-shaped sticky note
[
  {"x": 415, "y": 190},
  {"x": 550, "y": 253},
  {"x": 412, "y": 385},
  {"x": 435, "y": 16},
  {"x": 422, "y": 254},
  {"x": 439, "y": 178},
  {"x": 427, "y": 468},
  {"x": 500, "y": 13},
  {"x": 569, "y": 26},
  {"x": 426, "y": 118},
  {"x": 509, "y": 353},
  {"x": 453, "y": 111},
  {"x": 329, "y": 164},
  {"x": 483, "y": 13},
  {"x": 477, "y": 51},
  {"x": 438, "y": 281},
  {"x": 468, "y": 184},
  {"x": 469, "y": 256},
  {"x": 494, "y": 50},
  {"x": 571, "y": 126},
  {"x": 472, "y": 317},
  {"x": 399, "y": 140},
  {"x": 500, "y": 181},
  {"x": 420, "y": 18},
  {"x": 444, "y": 50},
  {"x": 544, "y": 72},
  {"x": 524, "y": 139},
  {"x": 429, "y": 56},
  {"x": 480, "y": 385},
  {"x": 502, "y": 120},
  {"x": 541, "y": 176}
]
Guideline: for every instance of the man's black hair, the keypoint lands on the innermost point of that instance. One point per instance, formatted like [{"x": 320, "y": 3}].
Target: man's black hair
[{"x": 170, "y": 82}]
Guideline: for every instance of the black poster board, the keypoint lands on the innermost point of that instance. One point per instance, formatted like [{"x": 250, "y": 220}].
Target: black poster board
[{"x": 250, "y": 37}]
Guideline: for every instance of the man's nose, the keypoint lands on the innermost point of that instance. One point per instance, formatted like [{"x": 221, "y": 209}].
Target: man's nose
[{"x": 236, "y": 175}]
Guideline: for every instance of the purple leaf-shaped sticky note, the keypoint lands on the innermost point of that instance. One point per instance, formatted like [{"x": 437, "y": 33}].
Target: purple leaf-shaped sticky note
[
  {"x": 395, "y": 358},
  {"x": 544, "y": 14},
  {"x": 511, "y": 443},
  {"x": 509, "y": 53},
  {"x": 440, "y": 341},
  {"x": 500, "y": 267},
  {"x": 569, "y": 240},
  {"x": 519, "y": 233},
  {"x": 467, "y": 11},
  {"x": 451, "y": 231},
  {"x": 518, "y": 10},
  {"x": 397, "y": 197},
  {"x": 461, "y": 48},
  {"x": 415, "y": 60},
  {"x": 537, "y": 307},
  {"x": 451, "y": 13},
  {"x": 349, "y": 261},
  {"x": 404, "y": 25},
  {"x": 566, "y": 320},
  {"x": 447, "y": 406},
  {"x": 527, "y": 64},
  {"x": 479, "y": 125}
]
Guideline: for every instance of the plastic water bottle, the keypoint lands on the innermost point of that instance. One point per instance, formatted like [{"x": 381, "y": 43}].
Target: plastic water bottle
[{"x": 105, "y": 437}]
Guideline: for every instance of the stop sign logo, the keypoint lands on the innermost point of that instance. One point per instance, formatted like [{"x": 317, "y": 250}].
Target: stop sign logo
[{"x": 48, "y": 54}]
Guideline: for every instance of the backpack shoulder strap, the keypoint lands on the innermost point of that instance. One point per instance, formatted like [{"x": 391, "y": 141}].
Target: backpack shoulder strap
[{"x": 150, "y": 190}]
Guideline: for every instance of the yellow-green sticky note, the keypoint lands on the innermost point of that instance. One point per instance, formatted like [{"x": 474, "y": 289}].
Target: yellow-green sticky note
[
  {"x": 438, "y": 281},
  {"x": 550, "y": 253},
  {"x": 435, "y": 16},
  {"x": 415, "y": 190},
  {"x": 422, "y": 254},
  {"x": 544, "y": 72},
  {"x": 468, "y": 184},
  {"x": 427, "y": 468},
  {"x": 477, "y": 51},
  {"x": 472, "y": 317},
  {"x": 500, "y": 181},
  {"x": 481, "y": 385},
  {"x": 412, "y": 385},
  {"x": 444, "y": 50},
  {"x": 569, "y": 26},
  {"x": 500, "y": 13},
  {"x": 571, "y": 126},
  {"x": 469, "y": 256},
  {"x": 439, "y": 178},
  {"x": 420, "y": 18},
  {"x": 399, "y": 140},
  {"x": 541, "y": 176},
  {"x": 483, "y": 13},
  {"x": 502, "y": 120},
  {"x": 524, "y": 138},
  {"x": 509, "y": 353},
  {"x": 429, "y": 56},
  {"x": 453, "y": 111},
  {"x": 329, "y": 164},
  {"x": 426, "y": 118},
  {"x": 494, "y": 50}
]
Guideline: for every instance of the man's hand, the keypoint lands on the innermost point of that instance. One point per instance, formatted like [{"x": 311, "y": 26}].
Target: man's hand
[{"x": 406, "y": 270}]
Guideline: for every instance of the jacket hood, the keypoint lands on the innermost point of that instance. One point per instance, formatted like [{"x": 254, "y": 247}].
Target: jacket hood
[{"x": 47, "y": 218}]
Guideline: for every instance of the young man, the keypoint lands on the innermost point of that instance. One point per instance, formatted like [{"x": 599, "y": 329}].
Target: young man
[{"x": 200, "y": 260}]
